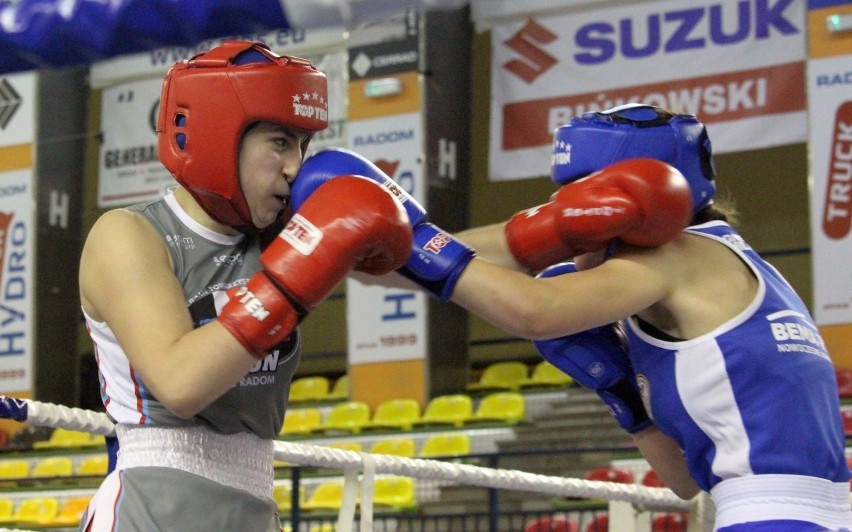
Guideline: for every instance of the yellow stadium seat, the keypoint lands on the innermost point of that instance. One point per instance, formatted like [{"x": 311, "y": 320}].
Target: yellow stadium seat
[
  {"x": 349, "y": 416},
  {"x": 283, "y": 495},
  {"x": 93, "y": 465},
  {"x": 313, "y": 388},
  {"x": 546, "y": 375},
  {"x": 396, "y": 492},
  {"x": 325, "y": 496},
  {"x": 395, "y": 414},
  {"x": 340, "y": 390},
  {"x": 395, "y": 446},
  {"x": 36, "y": 511},
  {"x": 14, "y": 469},
  {"x": 301, "y": 421},
  {"x": 71, "y": 511},
  {"x": 7, "y": 509},
  {"x": 451, "y": 409},
  {"x": 448, "y": 444},
  {"x": 54, "y": 466},
  {"x": 68, "y": 439},
  {"x": 354, "y": 446},
  {"x": 506, "y": 375},
  {"x": 503, "y": 407}
]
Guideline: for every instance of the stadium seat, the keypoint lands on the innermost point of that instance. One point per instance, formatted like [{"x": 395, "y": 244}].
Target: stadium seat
[
  {"x": 396, "y": 492},
  {"x": 93, "y": 465},
  {"x": 546, "y": 375},
  {"x": 395, "y": 447},
  {"x": 555, "y": 523},
  {"x": 669, "y": 522},
  {"x": 326, "y": 496},
  {"x": 503, "y": 407},
  {"x": 451, "y": 409},
  {"x": 395, "y": 414},
  {"x": 68, "y": 439},
  {"x": 14, "y": 469},
  {"x": 313, "y": 388},
  {"x": 53, "y": 466},
  {"x": 38, "y": 511},
  {"x": 349, "y": 416},
  {"x": 846, "y": 415},
  {"x": 340, "y": 390},
  {"x": 448, "y": 444},
  {"x": 301, "y": 421},
  {"x": 599, "y": 524},
  {"x": 71, "y": 511},
  {"x": 506, "y": 375},
  {"x": 844, "y": 382},
  {"x": 611, "y": 474},
  {"x": 7, "y": 509},
  {"x": 354, "y": 446},
  {"x": 652, "y": 480},
  {"x": 283, "y": 495}
]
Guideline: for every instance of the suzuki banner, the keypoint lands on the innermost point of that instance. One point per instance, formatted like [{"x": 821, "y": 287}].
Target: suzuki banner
[{"x": 738, "y": 64}]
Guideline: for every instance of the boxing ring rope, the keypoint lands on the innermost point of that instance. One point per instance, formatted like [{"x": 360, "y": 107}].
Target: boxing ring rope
[{"x": 366, "y": 465}]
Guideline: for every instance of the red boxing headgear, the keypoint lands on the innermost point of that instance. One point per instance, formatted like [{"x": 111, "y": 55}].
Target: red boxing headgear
[{"x": 206, "y": 105}]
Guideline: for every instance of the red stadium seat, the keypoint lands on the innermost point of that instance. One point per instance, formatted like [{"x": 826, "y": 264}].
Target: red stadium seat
[
  {"x": 600, "y": 524},
  {"x": 846, "y": 414},
  {"x": 555, "y": 523},
  {"x": 671, "y": 522},
  {"x": 844, "y": 382},
  {"x": 611, "y": 474},
  {"x": 652, "y": 480}
]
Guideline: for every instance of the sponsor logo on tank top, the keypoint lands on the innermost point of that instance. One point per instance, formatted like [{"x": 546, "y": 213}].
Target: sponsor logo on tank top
[
  {"x": 184, "y": 242},
  {"x": 795, "y": 334},
  {"x": 226, "y": 260}
]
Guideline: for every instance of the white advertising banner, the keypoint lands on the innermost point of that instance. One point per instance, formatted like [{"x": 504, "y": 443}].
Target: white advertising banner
[
  {"x": 830, "y": 105},
  {"x": 831, "y": 173},
  {"x": 388, "y": 324},
  {"x": 738, "y": 64},
  {"x": 157, "y": 61},
  {"x": 130, "y": 170},
  {"x": 17, "y": 115},
  {"x": 17, "y": 232},
  {"x": 17, "y": 253}
]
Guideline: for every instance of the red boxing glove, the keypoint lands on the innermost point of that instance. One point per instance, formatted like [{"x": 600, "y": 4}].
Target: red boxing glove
[
  {"x": 644, "y": 202},
  {"x": 348, "y": 223}
]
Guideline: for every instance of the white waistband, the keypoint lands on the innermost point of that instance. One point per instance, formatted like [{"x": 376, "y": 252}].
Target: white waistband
[
  {"x": 767, "y": 497},
  {"x": 241, "y": 460}
]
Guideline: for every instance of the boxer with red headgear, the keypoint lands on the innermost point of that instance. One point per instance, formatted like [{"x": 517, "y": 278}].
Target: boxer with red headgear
[{"x": 195, "y": 325}]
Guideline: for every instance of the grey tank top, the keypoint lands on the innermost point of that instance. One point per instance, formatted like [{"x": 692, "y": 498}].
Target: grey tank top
[{"x": 208, "y": 264}]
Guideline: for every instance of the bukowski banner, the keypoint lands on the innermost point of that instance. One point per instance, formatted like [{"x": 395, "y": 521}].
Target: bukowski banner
[{"x": 738, "y": 64}]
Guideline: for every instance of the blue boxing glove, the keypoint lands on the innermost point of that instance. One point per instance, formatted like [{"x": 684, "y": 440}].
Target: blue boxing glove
[
  {"x": 598, "y": 360},
  {"x": 437, "y": 259}
]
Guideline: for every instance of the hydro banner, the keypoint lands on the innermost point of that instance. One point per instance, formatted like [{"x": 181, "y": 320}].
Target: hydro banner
[
  {"x": 738, "y": 64},
  {"x": 17, "y": 233},
  {"x": 830, "y": 136}
]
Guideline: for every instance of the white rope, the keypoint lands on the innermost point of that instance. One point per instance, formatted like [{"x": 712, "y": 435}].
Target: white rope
[
  {"x": 59, "y": 416},
  {"x": 321, "y": 456}
]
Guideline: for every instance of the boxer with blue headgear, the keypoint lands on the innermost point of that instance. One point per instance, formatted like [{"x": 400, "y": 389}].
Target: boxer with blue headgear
[
  {"x": 718, "y": 387},
  {"x": 593, "y": 141}
]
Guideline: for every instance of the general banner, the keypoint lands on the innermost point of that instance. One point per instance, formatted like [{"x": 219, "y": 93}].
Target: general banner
[{"x": 738, "y": 64}]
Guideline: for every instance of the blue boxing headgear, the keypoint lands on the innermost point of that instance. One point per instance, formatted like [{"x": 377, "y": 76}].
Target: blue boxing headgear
[{"x": 595, "y": 140}]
